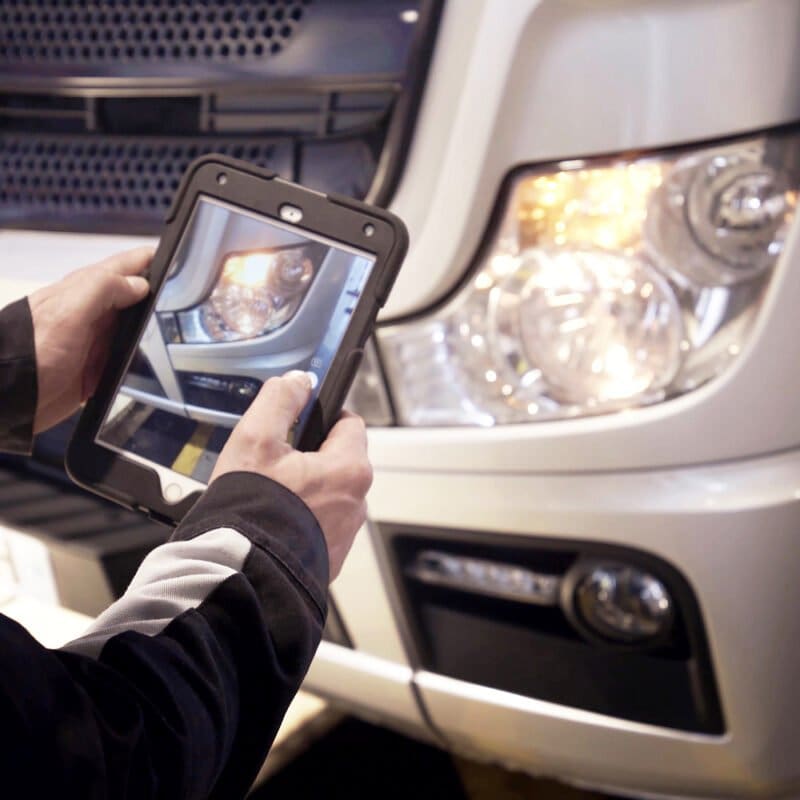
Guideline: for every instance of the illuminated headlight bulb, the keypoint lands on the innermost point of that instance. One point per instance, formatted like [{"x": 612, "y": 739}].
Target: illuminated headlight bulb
[
  {"x": 599, "y": 327},
  {"x": 257, "y": 292},
  {"x": 241, "y": 299},
  {"x": 622, "y": 604},
  {"x": 243, "y": 310}
]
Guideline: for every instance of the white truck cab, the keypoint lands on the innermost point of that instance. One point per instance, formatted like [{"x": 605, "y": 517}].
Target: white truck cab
[{"x": 581, "y": 555}]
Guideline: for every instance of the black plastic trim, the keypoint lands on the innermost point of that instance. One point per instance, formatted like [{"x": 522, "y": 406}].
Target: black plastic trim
[
  {"x": 86, "y": 537},
  {"x": 398, "y": 138},
  {"x": 689, "y": 645}
]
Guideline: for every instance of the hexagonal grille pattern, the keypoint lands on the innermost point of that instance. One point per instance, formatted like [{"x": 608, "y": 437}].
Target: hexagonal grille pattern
[
  {"x": 123, "y": 175},
  {"x": 102, "y": 31}
]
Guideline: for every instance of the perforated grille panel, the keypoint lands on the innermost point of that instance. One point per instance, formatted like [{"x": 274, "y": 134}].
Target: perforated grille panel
[
  {"x": 59, "y": 176},
  {"x": 103, "y": 103},
  {"x": 98, "y": 31}
]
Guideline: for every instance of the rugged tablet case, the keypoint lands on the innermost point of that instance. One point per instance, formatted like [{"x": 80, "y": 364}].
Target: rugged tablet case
[{"x": 134, "y": 485}]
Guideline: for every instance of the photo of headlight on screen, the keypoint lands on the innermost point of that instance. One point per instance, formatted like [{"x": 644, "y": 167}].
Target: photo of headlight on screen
[{"x": 246, "y": 298}]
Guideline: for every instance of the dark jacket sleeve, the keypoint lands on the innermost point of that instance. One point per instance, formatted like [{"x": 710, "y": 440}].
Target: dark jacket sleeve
[
  {"x": 178, "y": 689},
  {"x": 17, "y": 377}
]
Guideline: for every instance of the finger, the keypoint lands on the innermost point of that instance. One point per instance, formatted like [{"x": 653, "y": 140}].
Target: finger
[
  {"x": 277, "y": 406},
  {"x": 345, "y": 454},
  {"x": 129, "y": 262},
  {"x": 107, "y": 291},
  {"x": 347, "y": 436}
]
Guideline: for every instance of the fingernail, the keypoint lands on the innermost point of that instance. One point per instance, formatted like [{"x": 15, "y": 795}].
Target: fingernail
[
  {"x": 297, "y": 374},
  {"x": 138, "y": 284}
]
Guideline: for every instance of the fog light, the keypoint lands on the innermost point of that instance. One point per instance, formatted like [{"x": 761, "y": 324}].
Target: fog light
[{"x": 619, "y": 603}]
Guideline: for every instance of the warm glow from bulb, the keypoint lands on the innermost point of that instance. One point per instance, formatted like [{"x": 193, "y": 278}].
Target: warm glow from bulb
[
  {"x": 620, "y": 367},
  {"x": 249, "y": 271},
  {"x": 618, "y": 362},
  {"x": 603, "y": 207}
]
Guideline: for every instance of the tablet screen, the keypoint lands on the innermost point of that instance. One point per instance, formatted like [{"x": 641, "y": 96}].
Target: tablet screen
[{"x": 246, "y": 298}]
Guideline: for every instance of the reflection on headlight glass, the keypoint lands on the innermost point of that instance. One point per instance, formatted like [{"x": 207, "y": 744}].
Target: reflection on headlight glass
[
  {"x": 256, "y": 293},
  {"x": 608, "y": 285}
]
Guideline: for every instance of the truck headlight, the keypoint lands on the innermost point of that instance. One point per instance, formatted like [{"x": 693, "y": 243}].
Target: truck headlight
[
  {"x": 608, "y": 284},
  {"x": 256, "y": 292}
]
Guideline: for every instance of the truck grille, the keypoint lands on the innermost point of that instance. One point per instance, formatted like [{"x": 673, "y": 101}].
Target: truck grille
[
  {"x": 97, "y": 31},
  {"x": 103, "y": 103},
  {"x": 69, "y": 177}
]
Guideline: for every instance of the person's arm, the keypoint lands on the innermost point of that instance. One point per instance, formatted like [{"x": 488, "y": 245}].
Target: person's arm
[{"x": 178, "y": 689}]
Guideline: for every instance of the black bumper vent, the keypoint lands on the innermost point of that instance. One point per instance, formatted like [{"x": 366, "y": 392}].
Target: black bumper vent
[
  {"x": 94, "y": 546},
  {"x": 98, "y": 31}
]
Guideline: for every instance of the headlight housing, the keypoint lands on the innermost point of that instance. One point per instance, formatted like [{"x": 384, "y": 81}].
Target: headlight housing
[
  {"x": 257, "y": 291},
  {"x": 609, "y": 284}
]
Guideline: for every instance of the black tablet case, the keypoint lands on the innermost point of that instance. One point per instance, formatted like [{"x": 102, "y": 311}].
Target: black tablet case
[{"x": 134, "y": 485}]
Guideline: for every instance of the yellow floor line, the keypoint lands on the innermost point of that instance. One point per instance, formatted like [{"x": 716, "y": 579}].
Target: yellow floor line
[{"x": 188, "y": 457}]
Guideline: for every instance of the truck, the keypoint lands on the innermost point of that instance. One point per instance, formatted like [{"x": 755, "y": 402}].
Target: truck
[{"x": 581, "y": 395}]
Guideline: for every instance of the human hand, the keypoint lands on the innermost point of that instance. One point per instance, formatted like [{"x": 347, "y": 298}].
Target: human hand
[
  {"x": 333, "y": 482},
  {"x": 73, "y": 322}
]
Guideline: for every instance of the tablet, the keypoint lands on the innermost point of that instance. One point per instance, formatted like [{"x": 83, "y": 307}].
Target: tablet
[{"x": 253, "y": 276}]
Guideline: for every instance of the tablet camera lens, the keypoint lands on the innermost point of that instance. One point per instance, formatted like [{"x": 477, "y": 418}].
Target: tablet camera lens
[
  {"x": 291, "y": 213},
  {"x": 369, "y": 229},
  {"x": 222, "y": 179}
]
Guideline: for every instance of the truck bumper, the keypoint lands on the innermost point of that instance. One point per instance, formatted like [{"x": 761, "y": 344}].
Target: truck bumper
[{"x": 731, "y": 529}]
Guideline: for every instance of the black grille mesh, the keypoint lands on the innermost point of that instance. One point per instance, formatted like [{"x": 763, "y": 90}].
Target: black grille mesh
[
  {"x": 81, "y": 31},
  {"x": 58, "y": 176}
]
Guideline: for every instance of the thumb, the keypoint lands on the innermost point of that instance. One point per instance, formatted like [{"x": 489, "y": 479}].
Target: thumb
[
  {"x": 138, "y": 287},
  {"x": 112, "y": 292},
  {"x": 124, "y": 291}
]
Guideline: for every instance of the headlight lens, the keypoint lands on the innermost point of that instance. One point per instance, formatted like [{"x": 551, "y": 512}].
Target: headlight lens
[
  {"x": 608, "y": 285},
  {"x": 256, "y": 293},
  {"x": 601, "y": 327}
]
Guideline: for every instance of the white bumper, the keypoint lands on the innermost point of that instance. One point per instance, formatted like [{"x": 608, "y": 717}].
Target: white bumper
[{"x": 732, "y": 530}]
